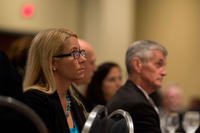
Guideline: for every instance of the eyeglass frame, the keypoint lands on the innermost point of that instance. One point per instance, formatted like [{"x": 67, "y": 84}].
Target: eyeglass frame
[{"x": 74, "y": 53}]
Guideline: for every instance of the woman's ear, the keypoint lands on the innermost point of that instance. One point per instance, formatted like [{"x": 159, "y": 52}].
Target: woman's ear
[
  {"x": 137, "y": 64},
  {"x": 54, "y": 65}
]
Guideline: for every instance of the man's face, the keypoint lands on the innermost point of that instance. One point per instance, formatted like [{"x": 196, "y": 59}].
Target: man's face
[
  {"x": 154, "y": 71},
  {"x": 90, "y": 66}
]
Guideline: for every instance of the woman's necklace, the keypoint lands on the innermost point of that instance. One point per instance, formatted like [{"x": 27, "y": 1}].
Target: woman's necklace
[{"x": 68, "y": 110}]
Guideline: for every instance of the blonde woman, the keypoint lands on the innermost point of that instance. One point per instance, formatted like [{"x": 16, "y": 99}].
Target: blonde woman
[{"x": 54, "y": 60}]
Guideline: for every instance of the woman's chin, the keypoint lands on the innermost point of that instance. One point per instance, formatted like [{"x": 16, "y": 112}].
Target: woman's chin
[{"x": 81, "y": 76}]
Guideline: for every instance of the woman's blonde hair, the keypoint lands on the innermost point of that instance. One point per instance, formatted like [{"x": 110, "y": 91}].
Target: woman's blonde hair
[{"x": 45, "y": 45}]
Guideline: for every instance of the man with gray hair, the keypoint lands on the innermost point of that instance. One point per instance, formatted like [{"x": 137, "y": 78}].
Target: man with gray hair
[{"x": 145, "y": 63}]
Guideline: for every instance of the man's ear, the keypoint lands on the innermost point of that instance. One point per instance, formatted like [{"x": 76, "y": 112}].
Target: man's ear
[{"x": 137, "y": 64}]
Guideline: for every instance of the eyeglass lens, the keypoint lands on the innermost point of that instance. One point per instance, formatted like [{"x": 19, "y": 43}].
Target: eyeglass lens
[{"x": 77, "y": 53}]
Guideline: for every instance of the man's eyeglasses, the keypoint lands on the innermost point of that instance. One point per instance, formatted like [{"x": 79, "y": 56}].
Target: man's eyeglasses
[{"x": 75, "y": 53}]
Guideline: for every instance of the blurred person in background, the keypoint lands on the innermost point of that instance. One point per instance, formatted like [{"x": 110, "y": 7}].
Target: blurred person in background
[
  {"x": 172, "y": 98},
  {"x": 90, "y": 66},
  {"x": 194, "y": 104},
  {"x": 105, "y": 83},
  {"x": 79, "y": 86},
  {"x": 12, "y": 120},
  {"x": 55, "y": 59},
  {"x": 145, "y": 62},
  {"x": 171, "y": 101},
  {"x": 10, "y": 80},
  {"x": 12, "y": 67},
  {"x": 18, "y": 53}
]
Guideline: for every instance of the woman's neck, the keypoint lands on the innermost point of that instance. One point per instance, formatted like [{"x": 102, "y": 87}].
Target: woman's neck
[{"x": 62, "y": 88}]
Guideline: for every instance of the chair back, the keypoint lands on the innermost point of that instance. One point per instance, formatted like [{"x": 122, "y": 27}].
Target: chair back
[
  {"x": 98, "y": 112},
  {"x": 100, "y": 122},
  {"x": 12, "y": 107},
  {"x": 123, "y": 117}
]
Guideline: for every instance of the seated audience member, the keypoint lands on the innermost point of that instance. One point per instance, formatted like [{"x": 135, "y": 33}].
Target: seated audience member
[
  {"x": 145, "y": 62},
  {"x": 11, "y": 86},
  {"x": 12, "y": 68},
  {"x": 194, "y": 104},
  {"x": 55, "y": 59},
  {"x": 172, "y": 101},
  {"x": 10, "y": 80},
  {"x": 18, "y": 53},
  {"x": 80, "y": 86},
  {"x": 105, "y": 82},
  {"x": 172, "y": 98}
]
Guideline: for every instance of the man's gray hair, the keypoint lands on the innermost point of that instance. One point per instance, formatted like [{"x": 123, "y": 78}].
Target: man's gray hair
[{"x": 142, "y": 49}]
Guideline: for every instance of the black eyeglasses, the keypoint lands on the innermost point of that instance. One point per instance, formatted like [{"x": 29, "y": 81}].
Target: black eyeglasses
[{"x": 75, "y": 53}]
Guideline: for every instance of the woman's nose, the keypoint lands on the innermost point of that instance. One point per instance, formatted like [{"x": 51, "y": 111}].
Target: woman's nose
[{"x": 82, "y": 58}]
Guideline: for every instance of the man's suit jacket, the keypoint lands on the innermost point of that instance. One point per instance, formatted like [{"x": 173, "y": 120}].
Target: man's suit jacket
[{"x": 133, "y": 100}]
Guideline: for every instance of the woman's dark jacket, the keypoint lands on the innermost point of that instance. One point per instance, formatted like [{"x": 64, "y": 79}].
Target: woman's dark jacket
[{"x": 49, "y": 108}]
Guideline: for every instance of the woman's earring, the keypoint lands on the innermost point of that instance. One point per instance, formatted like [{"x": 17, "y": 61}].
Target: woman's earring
[{"x": 54, "y": 69}]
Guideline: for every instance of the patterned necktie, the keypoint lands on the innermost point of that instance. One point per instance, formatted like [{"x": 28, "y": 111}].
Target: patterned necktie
[
  {"x": 153, "y": 104},
  {"x": 149, "y": 99}
]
